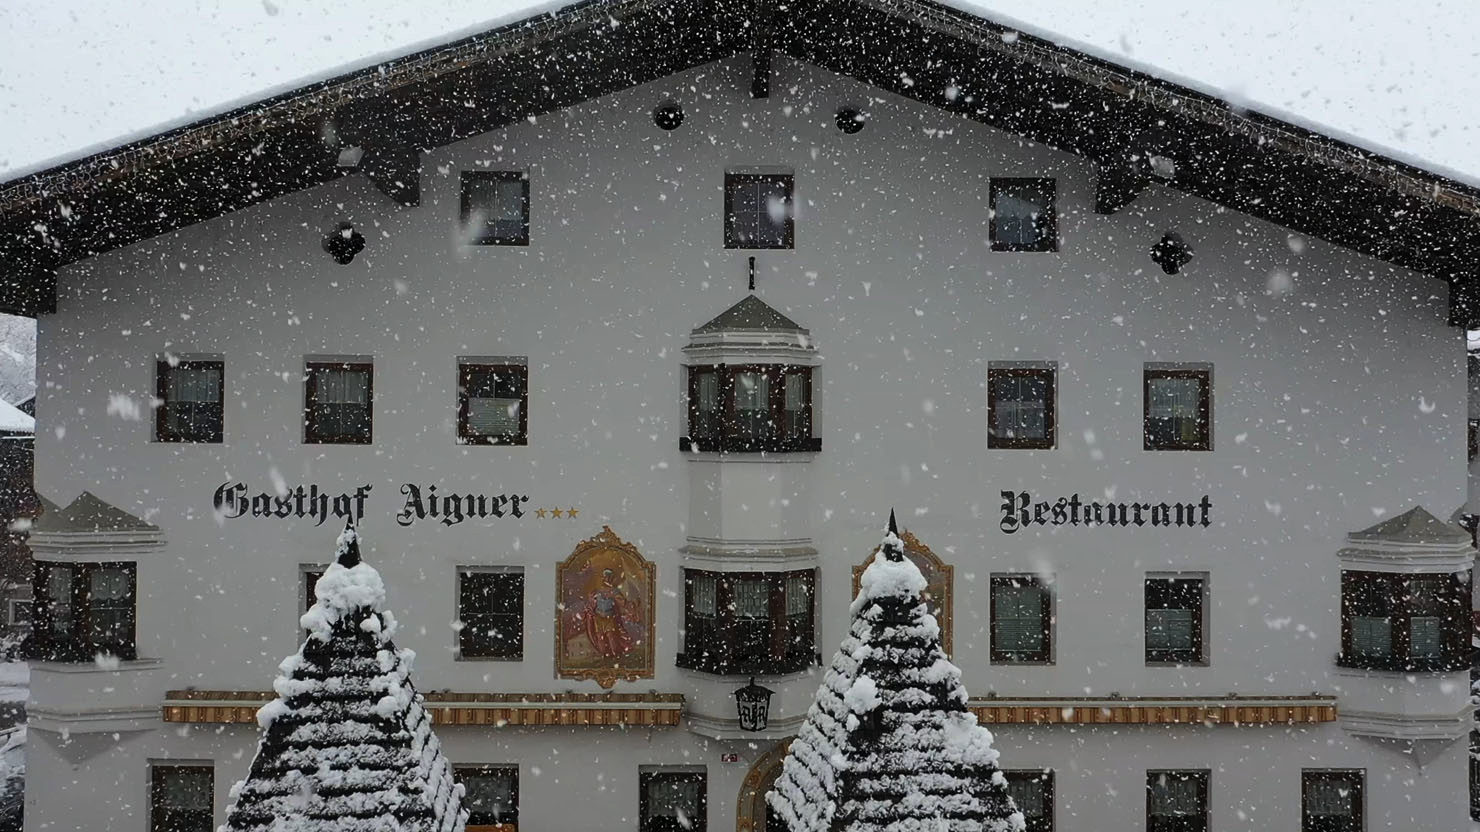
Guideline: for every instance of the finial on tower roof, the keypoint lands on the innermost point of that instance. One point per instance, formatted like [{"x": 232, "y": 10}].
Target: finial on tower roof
[
  {"x": 349, "y": 546},
  {"x": 892, "y": 550},
  {"x": 893, "y": 529}
]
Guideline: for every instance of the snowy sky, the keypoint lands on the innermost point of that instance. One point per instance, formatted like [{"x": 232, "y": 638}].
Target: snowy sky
[{"x": 73, "y": 81}]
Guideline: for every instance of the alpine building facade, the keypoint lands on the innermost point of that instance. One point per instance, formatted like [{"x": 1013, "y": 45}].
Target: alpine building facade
[{"x": 618, "y": 377}]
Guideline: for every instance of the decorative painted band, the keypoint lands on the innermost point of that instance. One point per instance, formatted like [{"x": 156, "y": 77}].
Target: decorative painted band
[
  {"x": 224, "y": 707},
  {"x": 1240, "y": 711}
]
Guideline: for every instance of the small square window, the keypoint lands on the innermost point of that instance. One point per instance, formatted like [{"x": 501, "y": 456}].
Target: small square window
[
  {"x": 1023, "y": 215},
  {"x": 492, "y": 403},
  {"x": 20, "y": 613},
  {"x": 495, "y": 207},
  {"x": 1178, "y": 409},
  {"x": 1020, "y": 407},
  {"x": 490, "y": 605},
  {"x": 1174, "y": 620},
  {"x": 1177, "y": 801},
  {"x": 337, "y": 402},
  {"x": 673, "y": 801},
  {"x": 1022, "y": 620},
  {"x": 491, "y": 796},
  {"x": 182, "y": 798},
  {"x": 1332, "y": 801},
  {"x": 758, "y": 210},
  {"x": 190, "y": 394},
  {"x": 1032, "y": 793}
]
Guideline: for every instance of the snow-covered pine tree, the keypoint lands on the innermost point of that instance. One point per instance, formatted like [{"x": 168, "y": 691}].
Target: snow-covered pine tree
[
  {"x": 888, "y": 745},
  {"x": 347, "y": 745}
]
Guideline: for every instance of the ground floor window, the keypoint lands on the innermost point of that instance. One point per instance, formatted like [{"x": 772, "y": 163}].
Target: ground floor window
[
  {"x": 181, "y": 798},
  {"x": 673, "y": 800},
  {"x": 1331, "y": 800},
  {"x": 1177, "y": 801},
  {"x": 491, "y": 797},
  {"x": 1032, "y": 793}
]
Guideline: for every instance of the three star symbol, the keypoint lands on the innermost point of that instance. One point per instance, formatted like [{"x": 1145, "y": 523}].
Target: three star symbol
[{"x": 557, "y": 513}]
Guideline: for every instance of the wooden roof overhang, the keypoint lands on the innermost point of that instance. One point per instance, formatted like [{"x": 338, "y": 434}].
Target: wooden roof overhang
[
  {"x": 497, "y": 710},
  {"x": 919, "y": 49}
]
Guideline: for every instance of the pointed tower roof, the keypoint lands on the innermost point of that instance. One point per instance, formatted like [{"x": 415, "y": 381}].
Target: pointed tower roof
[
  {"x": 89, "y": 513},
  {"x": 749, "y": 315},
  {"x": 347, "y": 745},
  {"x": 1416, "y": 525}
]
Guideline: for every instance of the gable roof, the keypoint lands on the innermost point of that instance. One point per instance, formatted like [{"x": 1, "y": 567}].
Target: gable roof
[{"x": 919, "y": 49}]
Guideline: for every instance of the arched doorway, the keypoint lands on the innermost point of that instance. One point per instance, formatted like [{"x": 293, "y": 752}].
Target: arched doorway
[{"x": 751, "y": 812}]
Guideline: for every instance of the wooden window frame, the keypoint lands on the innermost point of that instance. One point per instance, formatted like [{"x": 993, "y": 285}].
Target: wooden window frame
[
  {"x": 1048, "y": 223},
  {"x": 10, "y": 615},
  {"x": 501, "y": 648},
  {"x": 1356, "y": 780},
  {"x": 465, "y": 433},
  {"x": 1204, "y": 375},
  {"x": 1182, "y": 823},
  {"x": 732, "y": 240},
  {"x": 309, "y": 577},
  {"x": 162, "y": 387},
  {"x": 1198, "y": 655},
  {"x": 1043, "y": 823},
  {"x": 732, "y": 438},
  {"x": 311, "y": 432},
  {"x": 1001, "y": 656},
  {"x": 509, "y": 823},
  {"x": 77, "y": 644},
  {"x": 487, "y": 237},
  {"x": 997, "y": 441},
  {"x": 1389, "y": 595},
  {"x": 700, "y": 820},
  {"x": 714, "y": 649},
  {"x": 157, "y": 823}
]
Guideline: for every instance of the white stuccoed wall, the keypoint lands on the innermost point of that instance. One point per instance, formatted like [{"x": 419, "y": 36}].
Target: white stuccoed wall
[{"x": 1335, "y": 404}]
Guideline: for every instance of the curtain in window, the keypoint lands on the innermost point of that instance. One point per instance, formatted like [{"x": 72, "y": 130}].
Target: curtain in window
[
  {"x": 673, "y": 797},
  {"x": 1019, "y": 618},
  {"x": 1176, "y": 796},
  {"x": 494, "y": 416},
  {"x": 1329, "y": 797},
  {"x": 752, "y": 598},
  {"x": 508, "y": 211},
  {"x": 759, "y": 210},
  {"x": 1169, "y": 629},
  {"x": 796, "y": 406},
  {"x": 753, "y": 405},
  {"x": 183, "y": 799},
  {"x": 707, "y": 426},
  {"x": 1426, "y": 637},
  {"x": 1173, "y": 410},
  {"x": 1027, "y": 793},
  {"x": 1372, "y": 636},
  {"x": 491, "y": 795},
  {"x": 704, "y": 595},
  {"x": 343, "y": 402},
  {"x": 1017, "y": 219},
  {"x": 798, "y": 596},
  {"x": 111, "y": 607},
  {"x": 59, "y": 593},
  {"x": 1020, "y": 407}
]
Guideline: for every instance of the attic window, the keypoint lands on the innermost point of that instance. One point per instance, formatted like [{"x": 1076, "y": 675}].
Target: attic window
[
  {"x": 495, "y": 207},
  {"x": 758, "y": 210},
  {"x": 1023, "y": 216}
]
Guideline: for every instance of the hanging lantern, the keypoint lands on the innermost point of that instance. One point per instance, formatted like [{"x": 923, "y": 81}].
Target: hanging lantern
[{"x": 754, "y": 704}]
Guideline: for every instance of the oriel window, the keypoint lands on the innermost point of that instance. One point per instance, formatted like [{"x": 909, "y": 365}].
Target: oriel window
[
  {"x": 337, "y": 406},
  {"x": 758, "y": 210},
  {"x": 753, "y": 407},
  {"x": 495, "y": 207},
  {"x": 1405, "y": 622},
  {"x": 1178, "y": 409},
  {"x": 493, "y": 403},
  {"x": 748, "y": 622},
  {"x": 1020, "y": 407},
  {"x": 190, "y": 394},
  {"x": 1023, "y": 215},
  {"x": 83, "y": 609}
]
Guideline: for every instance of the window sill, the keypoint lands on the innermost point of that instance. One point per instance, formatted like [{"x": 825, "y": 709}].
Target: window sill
[
  {"x": 461, "y": 657},
  {"x": 1198, "y": 663},
  {"x": 91, "y": 666},
  {"x": 742, "y": 671},
  {"x": 1440, "y": 665},
  {"x": 1020, "y": 663},
  {"x": 810, "y": 445},
  {"x": 511, "y": 441}
]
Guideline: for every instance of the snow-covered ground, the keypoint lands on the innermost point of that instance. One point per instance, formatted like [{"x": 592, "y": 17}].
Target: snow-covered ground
[
  {"x": 1404, "y": 80},
  {"x": 15, "y": 681}
]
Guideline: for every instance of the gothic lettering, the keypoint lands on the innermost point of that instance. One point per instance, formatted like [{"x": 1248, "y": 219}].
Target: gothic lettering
[{"x": 1020, "y": 510}]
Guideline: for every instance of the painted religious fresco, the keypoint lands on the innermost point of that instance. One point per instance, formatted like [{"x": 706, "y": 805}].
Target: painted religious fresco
[
  {"x": 604, "y": 627},
  {"x": 939, "y": 582}
]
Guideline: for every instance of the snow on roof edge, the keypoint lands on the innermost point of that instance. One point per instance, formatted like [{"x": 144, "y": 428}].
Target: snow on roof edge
[{"x": 15, "y": 420}]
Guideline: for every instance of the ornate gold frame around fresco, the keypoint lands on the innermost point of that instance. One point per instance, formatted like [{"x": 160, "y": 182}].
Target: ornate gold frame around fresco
[
  {"x": 750, "y": 812},
  {"x": 607, "y": 677},
  {"x": 913, "y": 546}
]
